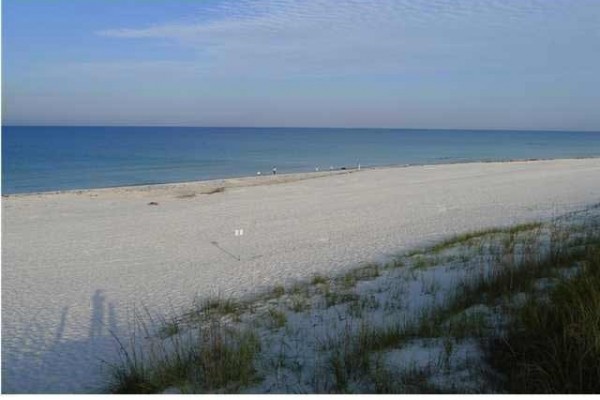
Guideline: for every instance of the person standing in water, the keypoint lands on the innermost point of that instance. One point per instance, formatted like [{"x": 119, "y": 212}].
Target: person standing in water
[{"x": 274, "y": 170}]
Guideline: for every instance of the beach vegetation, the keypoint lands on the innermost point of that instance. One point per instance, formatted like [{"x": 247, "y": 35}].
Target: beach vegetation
[
  {"x": 299, "y": 303},
  {"x": 215, "y": 307},
  {"x": 211, "y": 359},
  {"x": 278, "y": 291},
  {"x": 421, "y": 261},
  {"x": 553, "y": 343},
  {"x": 523, "y": 300},
  {"x": 278, "y": 318},
  {"x": 169, "y": 328},
  {"x": 319, "y": 279},
  {"x": 300, "y": 289},
  {"x": 468, "y": 237}
]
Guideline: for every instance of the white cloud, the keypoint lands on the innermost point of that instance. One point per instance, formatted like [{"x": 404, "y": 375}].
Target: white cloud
[
  {"x": 287, "y": 37},
  {"x": 443, "y": 63}
]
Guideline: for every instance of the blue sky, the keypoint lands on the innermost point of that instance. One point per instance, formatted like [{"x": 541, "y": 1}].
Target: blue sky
[{"x": 480, "y": 64}]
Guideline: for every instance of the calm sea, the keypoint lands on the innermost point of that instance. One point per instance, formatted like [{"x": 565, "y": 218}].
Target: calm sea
[{"x": 58, "y": 158}]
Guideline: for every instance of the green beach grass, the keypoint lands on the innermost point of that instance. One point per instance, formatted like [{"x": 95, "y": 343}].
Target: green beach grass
[{"x": 508, "y": 310}]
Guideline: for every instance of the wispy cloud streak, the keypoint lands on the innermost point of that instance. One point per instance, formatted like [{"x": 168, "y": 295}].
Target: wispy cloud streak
[
  {"x": 337, "y": 37},
  {"x": 419, "y": 63}
]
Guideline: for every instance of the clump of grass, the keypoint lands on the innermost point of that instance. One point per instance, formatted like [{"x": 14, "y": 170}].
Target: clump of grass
[
  {"x": 278, "y": 318},
  {"x": 348, "y": 281},
  {"x": 383, "y": 380},
  {"x": 410, "y": 381},
  {"x": 554, "y": 346},
  {"x": 396, "y": 263},
  {"x": 207, "y": 309},
  {"x": 299, "y": 303},
  {"x": 519, "y": 257},
  {"x": 221, "y": 306},
  {"x": 369, "y": 271},
  {"x": 226, "y": 363},
  {"x": 299, "y": 289},
  {"x": 513, "y": 273},
  {"x": 218, "y": 360},
  {"x": 334, "y": 297},
  {"x": 318, "y": 279},
  {"x": 448, "y": 350},
  {"x": 429, "y": 286},
  {"x": 469, "y": 236},
  {"x": 361, "y": 304},
  {"x": 519, "y": 261},
  {"x": 278, "y": 291},
  {"x": 348, "y": 358},
  {"x": 465, "y": 325},
  {"x": 132, "y": 381},
  {"x": 351, "y": 358},
  {"x": 169, "y": 328},
  {"x": 339, "y": 370},
  {"x": 366, "y": 272},
  {"x": 421, "y": 261}
]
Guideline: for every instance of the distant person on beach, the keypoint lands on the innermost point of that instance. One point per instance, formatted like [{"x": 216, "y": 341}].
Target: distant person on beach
[
  {"x": 316, "y": 169},
  {"x": 274, "y": 170}
]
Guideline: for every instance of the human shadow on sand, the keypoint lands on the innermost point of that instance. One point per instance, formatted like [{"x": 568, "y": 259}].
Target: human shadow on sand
[{"x": 66, "y": 365}]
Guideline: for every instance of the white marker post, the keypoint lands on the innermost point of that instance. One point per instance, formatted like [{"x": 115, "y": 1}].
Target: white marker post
[{"x": 239, "y": 233}]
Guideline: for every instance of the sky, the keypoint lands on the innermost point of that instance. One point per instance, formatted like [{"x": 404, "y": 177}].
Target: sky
[{"x": 449, "y": 64}]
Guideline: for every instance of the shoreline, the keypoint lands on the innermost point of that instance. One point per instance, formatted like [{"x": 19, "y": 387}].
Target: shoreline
[{"x": 258, "y": 180}]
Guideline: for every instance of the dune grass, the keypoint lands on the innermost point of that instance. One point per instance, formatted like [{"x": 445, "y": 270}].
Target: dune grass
[
  {"x": 553, "y": 345},
  {"x": 211, "y": 359},
  {"x": 511, "y": 274},
  {"x": 549, "y": 343},
  {"x": 469, "y": 236}
]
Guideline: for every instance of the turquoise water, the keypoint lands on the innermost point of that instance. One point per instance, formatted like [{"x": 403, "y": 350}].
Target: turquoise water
[{"x": 57, "y": 158}]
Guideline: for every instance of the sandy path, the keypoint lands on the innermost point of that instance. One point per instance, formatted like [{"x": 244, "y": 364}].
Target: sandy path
[{"x": 74, "y": 263}]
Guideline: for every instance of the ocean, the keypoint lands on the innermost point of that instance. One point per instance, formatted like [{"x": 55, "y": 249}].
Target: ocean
[{"x": 50, "y": 158}]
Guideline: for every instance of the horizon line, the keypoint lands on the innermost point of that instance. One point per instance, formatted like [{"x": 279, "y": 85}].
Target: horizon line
[{"x": 294, "y": 127}]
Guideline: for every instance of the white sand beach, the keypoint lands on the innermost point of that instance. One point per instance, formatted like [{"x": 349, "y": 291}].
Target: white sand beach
[{"x": 75, "y": 264}]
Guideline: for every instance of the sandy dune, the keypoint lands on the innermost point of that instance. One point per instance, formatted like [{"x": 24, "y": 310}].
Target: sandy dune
[{"x": 74, "y": 264}]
